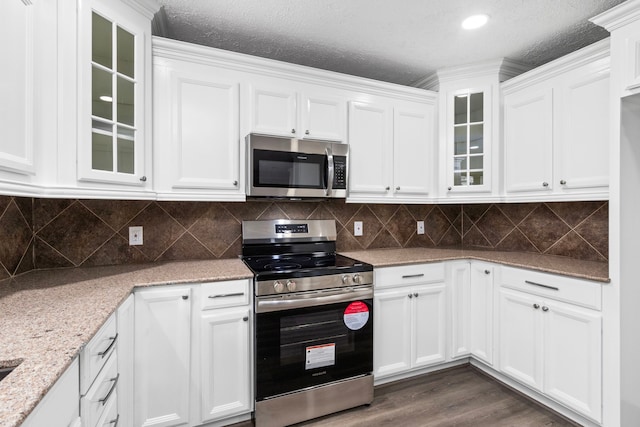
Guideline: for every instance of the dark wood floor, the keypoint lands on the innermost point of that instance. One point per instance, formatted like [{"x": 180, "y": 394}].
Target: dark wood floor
[{"x": 462, "y": 396}]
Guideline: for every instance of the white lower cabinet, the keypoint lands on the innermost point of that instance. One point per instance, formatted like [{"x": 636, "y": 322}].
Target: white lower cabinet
[
  {"x": 162, "y": 356},
  {"x": 552, "y": 346},
  {"x": 192, "y": 354},
  {"x": 409, "y": 321}
]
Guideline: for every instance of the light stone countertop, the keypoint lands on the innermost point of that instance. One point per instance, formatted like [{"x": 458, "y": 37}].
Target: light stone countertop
[
  {"x": 590, "y": 270},
  {"x": 46, "y": 316}
]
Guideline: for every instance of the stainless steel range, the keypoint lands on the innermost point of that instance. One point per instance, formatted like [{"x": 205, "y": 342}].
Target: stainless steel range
[{"x": 313, "y": 322}]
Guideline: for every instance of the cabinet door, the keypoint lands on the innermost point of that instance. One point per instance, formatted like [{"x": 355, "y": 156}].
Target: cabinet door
[
  {"x": 199, "y": 132},
  {"x": 582, "y": 124},
  {"x": 162, "y": 355},
  {"x": 225, "y": 363},
  {"x": 573, "y": 357},
  {"x": 16, "y": 49},
  {"x": 413, "y": 132},
  {"x": 370, "y": 149},
  {"x": 323, "y": 118},
  {"x": 428, "y": 324},
  {"x": 392, "y": 332},
  {"x": 273, "y": 111},
  {"x": 113, "y": 74},
  {"x": 528, "y": 140},
  {"x": 481, "y": 311},
  {"x": 521, "y": 338},
  {"x": 125, "y": 324},
  {"x": 460, "y": 281}
]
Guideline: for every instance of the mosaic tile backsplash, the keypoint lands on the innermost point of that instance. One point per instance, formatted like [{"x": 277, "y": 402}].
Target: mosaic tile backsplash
[{"x": 48, "y": 233}]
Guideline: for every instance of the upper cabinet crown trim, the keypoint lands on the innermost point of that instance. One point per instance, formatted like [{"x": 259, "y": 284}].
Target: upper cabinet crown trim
[
  {"x": 147, "y": 8},
  {"x": 577, "y": 59},
  {"x": 619, "y": 16},
  {"x": 173, "y": 49},
  {"x": 502, "y": 68}
]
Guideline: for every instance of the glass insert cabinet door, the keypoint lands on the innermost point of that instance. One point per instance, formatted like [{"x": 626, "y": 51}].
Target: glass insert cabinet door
[
  {"x": 110, "y": 142},
  {"x": 468, "y": 152}
]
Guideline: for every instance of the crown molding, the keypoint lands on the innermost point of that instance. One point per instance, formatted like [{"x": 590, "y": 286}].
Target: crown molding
[
  {"x": 619, "y": 16},
  {"x": 159, "y": 24},
  {"x": 148, "y": 8}
]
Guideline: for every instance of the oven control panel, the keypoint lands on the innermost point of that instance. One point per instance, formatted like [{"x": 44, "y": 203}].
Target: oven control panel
[
  {"x": 292, "y": 228},
  {"x": 301, "y": 284}
]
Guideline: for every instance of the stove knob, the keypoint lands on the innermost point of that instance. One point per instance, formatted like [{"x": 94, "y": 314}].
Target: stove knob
[
  {"x": 291, "y": 285},
  {"x": 278, "y": 286},
  {"x": 357, "y": 278},
  {"x": 346, "y": 279}
]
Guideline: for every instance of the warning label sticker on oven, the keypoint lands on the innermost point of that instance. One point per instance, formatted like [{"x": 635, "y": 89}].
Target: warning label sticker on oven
[
  {"x": 356, "y": 315},
  {"x": 321, "y": 355}
]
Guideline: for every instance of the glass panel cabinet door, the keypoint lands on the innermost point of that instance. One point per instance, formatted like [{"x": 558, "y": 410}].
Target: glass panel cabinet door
[{"x": 468, "y": 140}]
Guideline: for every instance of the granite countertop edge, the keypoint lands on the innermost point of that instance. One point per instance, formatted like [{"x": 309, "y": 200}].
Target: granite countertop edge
[{"x": 44, "y": 301}]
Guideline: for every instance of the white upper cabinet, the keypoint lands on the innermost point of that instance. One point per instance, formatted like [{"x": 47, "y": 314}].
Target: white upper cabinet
[
  {"x": 196, "y": 131},
  {"x": 295, "y": 111},
  {"x": 556, "y": 129},
  {"x": 114, "y": 92},
  {"x": 391, "y": 151}
]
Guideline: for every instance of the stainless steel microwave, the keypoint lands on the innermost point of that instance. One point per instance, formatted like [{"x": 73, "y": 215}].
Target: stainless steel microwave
[{"x": 295, "y": 168}]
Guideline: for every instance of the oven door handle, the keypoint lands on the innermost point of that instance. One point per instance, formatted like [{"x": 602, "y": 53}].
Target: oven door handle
[
  {"x": 330, "y": 170},
  {"x": 270, "y": 304}
]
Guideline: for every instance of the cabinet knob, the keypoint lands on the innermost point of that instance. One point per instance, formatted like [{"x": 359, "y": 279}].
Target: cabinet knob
[
  {"x": 410, "y": 295},
  {"x": 235, "y": 183},
  {"x": 387, "y": 188},
  {"x": 245, "y": 318},
  {"x": 545, "y": 184},
  {"x": 415, "y": 294},
  {"x": 143, "y": 178},
  {"x": 563, "y": 182},
  {"x": 545, "y": 308},
  {"x": 306, "y": 132},
  {"x": 185, "y": 296},
  {"x": 293, "y": 131},
  {"x": 398, "y": 188},
  {"x": 449, "y": 188},
  {"x": 487, "y": 272},
  {"x": 536, "y": 306}
]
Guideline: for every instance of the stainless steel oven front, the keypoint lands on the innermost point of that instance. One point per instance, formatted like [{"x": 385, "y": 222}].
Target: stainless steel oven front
[
  {"x": 314, "y": 353},
  {"x": 295, "y": 168}
]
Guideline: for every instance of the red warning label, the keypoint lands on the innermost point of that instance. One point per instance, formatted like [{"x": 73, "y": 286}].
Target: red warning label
[{"x": 356, "y": 315}]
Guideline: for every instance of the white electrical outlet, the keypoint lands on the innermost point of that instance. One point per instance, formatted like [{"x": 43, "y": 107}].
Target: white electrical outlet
[
  {"x": 357, "y": 228},
  {"x": 420, "y": 227},
  {"x": 135, "y": 236}
]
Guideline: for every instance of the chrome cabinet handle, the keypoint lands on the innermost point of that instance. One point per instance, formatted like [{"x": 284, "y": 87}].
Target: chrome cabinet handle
[
  {"x": 545, "y": 308},
  {"x": 113, "y": 387},
  {"x": 545, "y": 184},
  {"x": 536, "y": 306},
  {"x": 563, "y": 182},
  {"x": 103, "y": 353},
  {"x": 235, "y": 294},
  {"x": 541, "y": 285},
  {"x": 115, "y": 421},
  {"x": 412, "y": 276}
]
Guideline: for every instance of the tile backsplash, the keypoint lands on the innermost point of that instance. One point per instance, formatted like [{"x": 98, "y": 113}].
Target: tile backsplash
[{"x": 48, "y": 233}]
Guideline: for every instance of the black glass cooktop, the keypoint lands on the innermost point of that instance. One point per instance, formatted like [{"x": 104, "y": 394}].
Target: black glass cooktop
[{"x": 303, "y": 265}]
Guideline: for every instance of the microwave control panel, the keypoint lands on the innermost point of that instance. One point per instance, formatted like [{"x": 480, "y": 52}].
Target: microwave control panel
[{"x": 340, "y": 172}]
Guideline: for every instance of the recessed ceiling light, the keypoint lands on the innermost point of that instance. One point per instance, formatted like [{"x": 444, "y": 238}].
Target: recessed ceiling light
[
  {"x": 475, "y": 21},
  {"x": 106, "y": 98}
]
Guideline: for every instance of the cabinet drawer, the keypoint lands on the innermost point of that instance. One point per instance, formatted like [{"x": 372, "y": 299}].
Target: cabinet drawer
[
  {"x": 110, "y": 416},
  {"x": 408, "y": 275},
  {"x": 94, "y": 355},
  {"x": 224, "y": 294},
  {"x": 101, "y": 395},
  {"x": 575, "y": 291}
]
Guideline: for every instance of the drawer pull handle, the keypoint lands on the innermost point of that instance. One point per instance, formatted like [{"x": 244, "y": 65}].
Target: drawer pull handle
[
  {"x": 106, "y": 351},
  {"x": 412, "y": 276},
  {"x": 115, "y": 421},
  {"x": 541, "y": 285},
  {"x": 113, "y": 387},
  {"x": 235, "y": 294},
  {"x": 410, "y": 295}
]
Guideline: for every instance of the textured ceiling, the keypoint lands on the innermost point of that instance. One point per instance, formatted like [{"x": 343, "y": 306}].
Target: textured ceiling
[{"x": 398, "y": 41}]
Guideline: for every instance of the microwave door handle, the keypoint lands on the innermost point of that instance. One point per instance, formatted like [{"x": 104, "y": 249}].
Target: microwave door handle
[{"x": 330, "y": 170}]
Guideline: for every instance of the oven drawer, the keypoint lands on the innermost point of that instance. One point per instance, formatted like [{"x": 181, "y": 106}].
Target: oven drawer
[
  {"x": 228, "y": 293},
  {"x": 388, "y": 277}
]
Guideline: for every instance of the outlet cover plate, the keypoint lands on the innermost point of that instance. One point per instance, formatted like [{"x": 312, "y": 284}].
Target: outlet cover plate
[
  {"x": 357, "y": 228},
  {"x": 135, "y": 236},
  {"x": 420, "y": 227}
]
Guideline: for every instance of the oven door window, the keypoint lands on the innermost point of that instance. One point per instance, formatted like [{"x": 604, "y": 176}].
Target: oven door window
[
  {"x": 305, "y": 347},
  {"x": 280, "y": 169}
]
